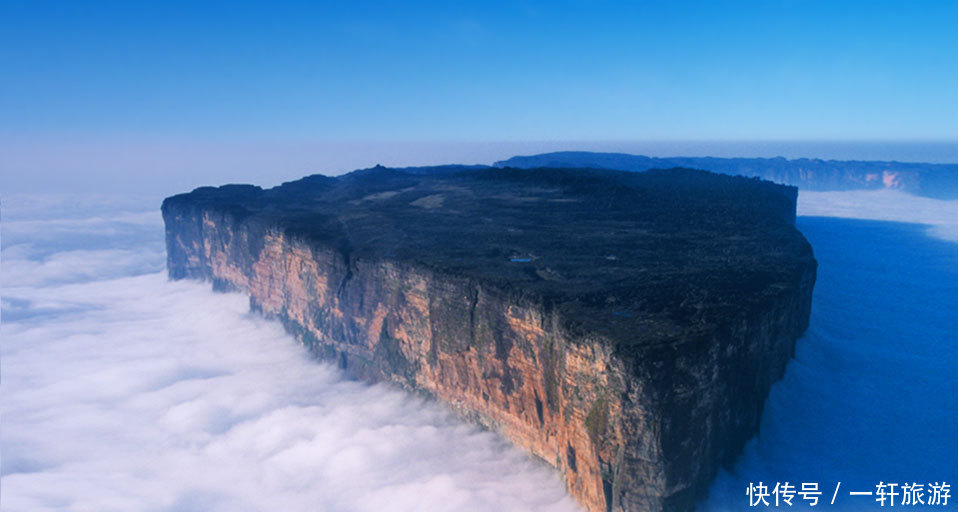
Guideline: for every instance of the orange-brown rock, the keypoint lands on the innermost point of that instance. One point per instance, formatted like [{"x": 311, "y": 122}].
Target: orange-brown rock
[{"x": 623, "y": 327}]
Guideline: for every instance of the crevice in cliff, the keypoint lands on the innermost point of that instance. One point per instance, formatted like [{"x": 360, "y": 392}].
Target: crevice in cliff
[
  {"x": 539, "y": 409},
  {"x": 570, "y": 458},
  {"x": 341, "y": 290},
  {"x": 345, "y": 249},
  {"x": 473, "y": 303},
  {"x": 607, "y": 487}
]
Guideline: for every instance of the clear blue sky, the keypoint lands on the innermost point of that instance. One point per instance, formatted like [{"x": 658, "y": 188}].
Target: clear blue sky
[
  {"x": 104, "y": 90},
  {"x": 481, "y": 71}
]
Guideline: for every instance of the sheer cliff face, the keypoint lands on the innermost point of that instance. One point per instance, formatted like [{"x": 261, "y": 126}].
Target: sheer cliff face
[{"x": 636, "y": 383}]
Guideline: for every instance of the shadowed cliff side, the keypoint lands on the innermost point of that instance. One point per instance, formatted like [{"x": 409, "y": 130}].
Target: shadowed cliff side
[{"x": 624, "y": 327}]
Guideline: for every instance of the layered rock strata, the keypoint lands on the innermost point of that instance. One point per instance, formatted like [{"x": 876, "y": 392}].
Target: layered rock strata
[{"x": 623, "y": 327}]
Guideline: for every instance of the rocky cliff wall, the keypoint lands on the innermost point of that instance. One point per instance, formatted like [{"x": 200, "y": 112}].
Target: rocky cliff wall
[{"x": 646, "y": 430}]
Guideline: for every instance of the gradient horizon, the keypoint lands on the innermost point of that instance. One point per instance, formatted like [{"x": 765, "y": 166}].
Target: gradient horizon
[{"x": 113, "y": 93}]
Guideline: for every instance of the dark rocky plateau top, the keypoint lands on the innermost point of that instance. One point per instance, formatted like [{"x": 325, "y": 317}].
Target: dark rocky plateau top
[
  {"x": 646, "y": 257},
  {"x": 691, "y": 288}
]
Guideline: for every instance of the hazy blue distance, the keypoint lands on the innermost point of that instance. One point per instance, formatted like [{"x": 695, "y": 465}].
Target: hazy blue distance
[{"x": 106, "y": 93}]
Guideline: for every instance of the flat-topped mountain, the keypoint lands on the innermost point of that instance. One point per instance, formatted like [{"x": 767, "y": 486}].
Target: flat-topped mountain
[
  {"x": 624, "y": 327},
  {"x": 925, "y": 179}
]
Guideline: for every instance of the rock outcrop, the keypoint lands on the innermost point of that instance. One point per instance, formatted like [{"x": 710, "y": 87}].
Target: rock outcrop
[{"x": 623, "y": 327}]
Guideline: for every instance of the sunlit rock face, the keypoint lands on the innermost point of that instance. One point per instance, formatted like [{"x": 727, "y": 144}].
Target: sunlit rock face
[{"x": 623, "y": 327}]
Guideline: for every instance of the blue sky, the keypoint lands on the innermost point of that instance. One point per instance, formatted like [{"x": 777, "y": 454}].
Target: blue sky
[
  {"x": 89, "y": 84},
  {"x": 485, "y": 70}
]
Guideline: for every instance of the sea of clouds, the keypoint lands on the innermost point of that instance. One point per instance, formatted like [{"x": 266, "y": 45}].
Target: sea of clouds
[
  {"x": 124, "y": 391},
  {"x": 940, "y": 217}
]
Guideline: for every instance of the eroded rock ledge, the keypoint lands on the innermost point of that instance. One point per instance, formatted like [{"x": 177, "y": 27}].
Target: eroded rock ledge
[{"x": 624, "y": 327}]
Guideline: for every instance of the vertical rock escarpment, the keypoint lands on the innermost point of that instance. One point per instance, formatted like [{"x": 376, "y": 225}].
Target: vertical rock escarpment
[{"x": 625, "y": 328}]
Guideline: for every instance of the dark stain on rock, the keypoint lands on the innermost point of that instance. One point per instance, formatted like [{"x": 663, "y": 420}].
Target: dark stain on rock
[
  {"x": 570, "y": 458},
  {"x": 539, "y": 409}
]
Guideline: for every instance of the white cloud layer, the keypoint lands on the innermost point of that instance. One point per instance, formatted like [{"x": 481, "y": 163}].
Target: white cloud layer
[
  {"x": 941, "y": 216},
  {"x": 124, "y": 391}
]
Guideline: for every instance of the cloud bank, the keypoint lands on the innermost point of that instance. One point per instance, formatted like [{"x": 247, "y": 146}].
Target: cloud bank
[
  {"x": 940, "y": 216},
  {"x": 124, "y": 391}
]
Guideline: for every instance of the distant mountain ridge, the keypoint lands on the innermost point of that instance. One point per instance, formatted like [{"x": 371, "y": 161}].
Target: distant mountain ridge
[{"x": 930, "y": 180}]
